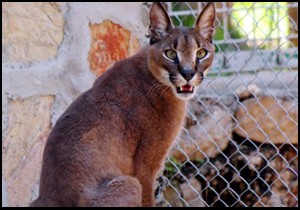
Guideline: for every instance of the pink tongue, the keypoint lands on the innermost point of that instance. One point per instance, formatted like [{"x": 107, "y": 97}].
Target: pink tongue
[{"x": 186, "y": 87}]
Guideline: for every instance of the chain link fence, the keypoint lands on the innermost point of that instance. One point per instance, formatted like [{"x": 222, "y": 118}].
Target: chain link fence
[{"x": 239, "y": 146}]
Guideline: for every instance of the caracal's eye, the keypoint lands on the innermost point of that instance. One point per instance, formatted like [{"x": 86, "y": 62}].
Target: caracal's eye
[
  {"x": 171, "y": 54},
  {"x": 201, "y": 54}
]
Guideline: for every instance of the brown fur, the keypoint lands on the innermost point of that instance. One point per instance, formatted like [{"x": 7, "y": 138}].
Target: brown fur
[{"x": 108, "y": 146}]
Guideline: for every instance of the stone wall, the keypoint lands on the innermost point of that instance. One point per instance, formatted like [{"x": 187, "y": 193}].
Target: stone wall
[{"x": 52, "y": 52}]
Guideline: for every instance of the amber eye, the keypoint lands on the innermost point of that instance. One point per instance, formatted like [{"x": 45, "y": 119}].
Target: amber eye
[
  {"x": 201, "y": 53},
  {"x": 171, "y": 54}
]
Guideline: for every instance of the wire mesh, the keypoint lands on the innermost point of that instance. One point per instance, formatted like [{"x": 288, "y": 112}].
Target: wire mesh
[{"x": 239, "y": 146}]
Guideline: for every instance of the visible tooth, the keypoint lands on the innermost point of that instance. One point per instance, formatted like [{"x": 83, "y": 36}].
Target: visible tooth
[{"x": 180, "y": 88}]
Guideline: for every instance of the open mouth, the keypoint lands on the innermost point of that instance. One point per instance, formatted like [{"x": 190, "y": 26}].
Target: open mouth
[{"x": 185, "y": 89}]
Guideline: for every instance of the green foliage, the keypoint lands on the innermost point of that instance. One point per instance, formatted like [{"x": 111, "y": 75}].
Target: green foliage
[
  {"x": 171, "y": 167},
  {"x": 187, "y": 20},
  {"x": 263, "y": 22}
]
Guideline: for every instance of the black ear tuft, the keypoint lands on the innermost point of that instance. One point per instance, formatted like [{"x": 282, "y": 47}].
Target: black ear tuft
[
  {"x": 160, "y": 22},
  {"x": 205, "y": 21}
]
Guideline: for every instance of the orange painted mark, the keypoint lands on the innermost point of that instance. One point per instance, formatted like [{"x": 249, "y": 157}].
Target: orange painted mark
[{"x": 110, "y": 42}]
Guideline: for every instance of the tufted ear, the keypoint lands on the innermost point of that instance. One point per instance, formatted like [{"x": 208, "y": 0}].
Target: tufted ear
[
  {"x": 160, "y": 22},
  {"x": 205, "y": 21}
]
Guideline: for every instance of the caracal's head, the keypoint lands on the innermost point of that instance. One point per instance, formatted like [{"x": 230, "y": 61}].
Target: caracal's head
[{"x": 180, "y": 57}]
